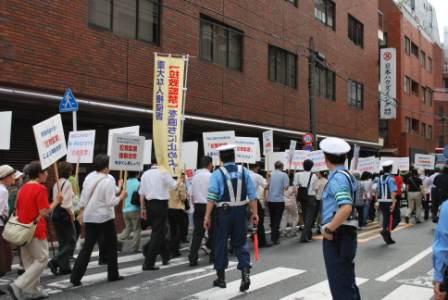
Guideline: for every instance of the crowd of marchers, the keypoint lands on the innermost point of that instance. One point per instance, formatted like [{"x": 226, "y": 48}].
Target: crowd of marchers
[{"x": 84, "y": 215}]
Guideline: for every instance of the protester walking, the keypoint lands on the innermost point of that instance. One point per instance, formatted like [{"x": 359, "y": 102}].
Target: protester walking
[
  {"x": 176, "y": 212},
  {"x": 415, "y": 196},
  {"x": 199, "y": 193},
  {"x": 321, "y": 182},
  {"x": 154, "y": 194},
  {"x": 278, "y": 184},
  {"x": 427, "y": 190},
  {"x": 7, "y": 174},
  {"x": 441, "y": 187},
  {"x": 260, "y": 186},
  {"x": 131, "y": 214},
  {"x": 290, "y": 214},
  {"x": 338, "y": 227},
  {"x": 98, "y": 201},
  {"x": 32, "y": 206},
  {"x": 63, "y": 217},
  {"x": 359, "y": 200},
  {"x": 306, "y": 194}
]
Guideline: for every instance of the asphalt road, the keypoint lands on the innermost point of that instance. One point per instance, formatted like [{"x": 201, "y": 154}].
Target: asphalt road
[{"x": 287, "y": 271}]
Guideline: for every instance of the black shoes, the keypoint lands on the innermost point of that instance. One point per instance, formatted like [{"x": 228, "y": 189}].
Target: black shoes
[
  {"x": 265, "y": 245},
  {"x": 53, "y": 267},
  {"x": 193, "y": 263},
  {"x": 75, "y": 283},
  {"x": 147, "y": 267},
  {"x": 245, "y": 280},
  {"x": 115, "y": 279},
  {"x": 221, "y": 280},
  {"x": 406, "y": 219},
  {"x": 386, "y": 237}
]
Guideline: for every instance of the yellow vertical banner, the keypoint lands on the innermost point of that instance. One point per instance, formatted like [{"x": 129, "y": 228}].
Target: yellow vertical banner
[{"x": 168, "y": 106}]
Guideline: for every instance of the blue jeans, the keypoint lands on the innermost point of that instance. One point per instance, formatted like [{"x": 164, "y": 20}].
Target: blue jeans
[{"x": 339, "y": 255}]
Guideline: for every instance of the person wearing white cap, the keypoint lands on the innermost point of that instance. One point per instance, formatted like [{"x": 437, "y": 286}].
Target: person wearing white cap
[
  {"x": 231, "y": 189},
  {"x": 386, "y": 193},
  {"x": 338, "y": 225},
  {"x": 6, "y": 179}
]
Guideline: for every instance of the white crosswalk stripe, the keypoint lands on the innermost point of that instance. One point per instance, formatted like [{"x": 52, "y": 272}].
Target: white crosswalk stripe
[
  {"x": 410, "y": 292},
  {"x": 259, "y": 281},
  {"x": 319, "y": 291}
]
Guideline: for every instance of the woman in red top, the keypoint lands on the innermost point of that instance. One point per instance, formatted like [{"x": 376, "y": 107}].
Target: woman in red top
[{"x": 32, "y": 205}]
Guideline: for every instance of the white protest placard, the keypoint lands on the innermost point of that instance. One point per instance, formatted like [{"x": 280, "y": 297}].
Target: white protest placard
[
  {"x": 273, "y": 157},
  {"x": 132, "y": 130},
  {"x": 268, "y": 142},
  {"x": 213, "y": 140},
  {"x": 247, "y": 150},
  {"x": 127, "y": 152},
  {"x": 366, "y": 164},
  {"x": 298, "y": 158},
  {"x": 81, "y": 145},
  {"x": 400, "y": 163},
  {"x": 147, "y": 153},
  {"x": 424, "y": 161},
  {"x": 189, "y": 157},
  {"x": 318, "y": 159},
  {"x": 5, "y": 130},
  {"x": 50, "y": 140}
]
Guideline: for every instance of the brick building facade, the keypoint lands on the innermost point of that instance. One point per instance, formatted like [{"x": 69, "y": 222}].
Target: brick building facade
[
  {"x": 418, "y": 75},
  {"x": 248, "y": 71}
]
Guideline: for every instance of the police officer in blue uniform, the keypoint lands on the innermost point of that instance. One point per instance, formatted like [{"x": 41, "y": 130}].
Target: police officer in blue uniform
[
  {"x": 338, "y": 225},
  {"x": 387, "y": 191},
  {"x": 231, "y": 190},
  {"x": 440, "y": 254}
]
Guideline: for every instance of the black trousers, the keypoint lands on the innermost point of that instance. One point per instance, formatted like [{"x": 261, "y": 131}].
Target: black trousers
[
  {"x": 309, "y": 209},
  {"x": 185, "y": 224},
  {"x": 94, "y": 231},
  {"x": 199, "y": 231},
  {"x": 66, "y": 234},
  {"x": 157, "y": 212},
  {"x": 260, "y": 229},
  {"x": 176, "y": 220},
  {"x": 435, "y": 197},
  {"x": 425, "y": 205},
  {"x": 276, "y": 212},
  {"x": 360, "y": 213}
]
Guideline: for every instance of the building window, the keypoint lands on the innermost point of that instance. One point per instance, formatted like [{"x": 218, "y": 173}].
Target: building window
[
  {"x": 445, "y": 83},
  {"x": 414, "y": 49},
  {"x": 423, "y": 59},
  {"x": 414, "y": 88},
  {"x": 136, "y": 19},
  {"x": 423, "y": 94},
  {"x": 429, "y": 96},
  {"x": 429, "y": 134},
  {"x": 429, "y": 64},
  {"x": 380, "y": 21},
  {"x": 282, "y": 66},
  {"x": 355, "y": 31},
  {"x": 325, "y": 11},
  {"x": 355, "y": 94},
  {"x": 293, "y": 2},
  {"x": 423, "y": 133},
  {"x": 415, "y": 125},
  {"x": 221, "y": 44},
  {"x": 407, "y": 45},
  {"x": 407, "y": 124},
  {"x": 407, "y": 85},
  {"x": 325, "y": 83}
]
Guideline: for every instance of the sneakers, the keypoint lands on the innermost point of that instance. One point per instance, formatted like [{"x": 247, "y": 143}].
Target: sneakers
[
  {"x": 39, "y": 294},
  {"x": 15, "y": 292}
]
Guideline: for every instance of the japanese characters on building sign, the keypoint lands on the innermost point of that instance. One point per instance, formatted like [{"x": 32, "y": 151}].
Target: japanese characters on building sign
[
  {"x": 168, "y": 107},
  {"x": 127, "y": 152},
  {"x": 388, "y": 80},
  {"x": 214, "y": 140},
  {"x": 81, "y": 145},
  {"x": 50, "y": 140}
]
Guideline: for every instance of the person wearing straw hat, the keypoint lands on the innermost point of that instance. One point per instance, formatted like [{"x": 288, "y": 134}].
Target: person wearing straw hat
[
  {"x": 231, "y": 189},
  {"x": 338, "y": 225},
  {"x": 387, "y": 192}
]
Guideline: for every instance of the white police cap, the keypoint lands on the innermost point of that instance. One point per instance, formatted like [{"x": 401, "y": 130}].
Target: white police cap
[
  {"x": 334, "y": 146},
  {"x": 387, "y": 163},
  {"x": 226, "y": 147}
]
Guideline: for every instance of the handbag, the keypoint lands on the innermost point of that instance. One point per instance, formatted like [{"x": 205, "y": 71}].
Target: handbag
[
  {"x": 80, "y": 217},
  {"x": 19, "y": 234},
  {"x": 60, "y": 214},
  {"x": 135, "y": 198}
]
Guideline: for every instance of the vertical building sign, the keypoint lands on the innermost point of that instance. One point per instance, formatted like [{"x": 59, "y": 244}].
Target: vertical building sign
[
  {"x": 168, "y": 105},
  {"x": 388, "y": 80}
]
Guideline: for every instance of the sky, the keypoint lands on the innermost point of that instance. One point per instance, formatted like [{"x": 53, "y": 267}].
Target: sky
[{"x": 441, "y": 7}]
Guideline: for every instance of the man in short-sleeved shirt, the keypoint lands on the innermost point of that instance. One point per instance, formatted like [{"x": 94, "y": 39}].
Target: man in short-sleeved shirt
[{"x": 278, "y": 184}]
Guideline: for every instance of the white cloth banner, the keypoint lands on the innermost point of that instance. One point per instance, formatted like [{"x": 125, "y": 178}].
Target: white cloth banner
[
  {"x": 81, "y": 145},
  {"x": 132, "y": 130},
  {"x": 318, "y": 159},
  {"x": 147, "y": 153},
  {"x": 247, "y": 150},
  {"x": 388, "y": 82},
  {"x": 213, "y": 140},
  {"x": 273, "y": 157},
  {"x": 298, "y": 158},
  {"x": 400, "y": 163},
  {"x": 5, "y": 130},
  {"x": 50, "y": 140},
  {"x": 424, "y": 161},
  {"x": 366, "y": 164},
  {"x": 127, "y": 152}
]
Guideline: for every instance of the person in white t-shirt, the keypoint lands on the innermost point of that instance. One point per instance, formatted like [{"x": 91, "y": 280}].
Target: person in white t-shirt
[{"x": 260, "y": 186}]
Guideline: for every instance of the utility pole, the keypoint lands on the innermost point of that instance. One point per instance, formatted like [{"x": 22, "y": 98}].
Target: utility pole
[{"x": 312, "y": 96}]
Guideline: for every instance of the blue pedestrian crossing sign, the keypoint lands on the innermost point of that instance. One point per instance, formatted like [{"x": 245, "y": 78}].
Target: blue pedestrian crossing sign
[{"x": 68, "y": 102}]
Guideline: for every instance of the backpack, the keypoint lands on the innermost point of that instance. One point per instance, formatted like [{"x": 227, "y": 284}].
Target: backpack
[{"x": 302, "y": 192}]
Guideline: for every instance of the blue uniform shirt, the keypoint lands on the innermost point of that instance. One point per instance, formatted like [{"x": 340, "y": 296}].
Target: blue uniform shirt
[
  {"x": 440, "y": 244},
  {"x": 391, "y": 185},
  {"x": 337, "y": 192},
  {"x": 216, "y": 185}
]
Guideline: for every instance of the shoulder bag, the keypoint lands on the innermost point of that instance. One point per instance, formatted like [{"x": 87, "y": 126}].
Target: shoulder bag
[{"x": 80, "y": 217}]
